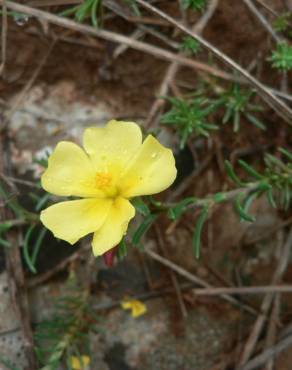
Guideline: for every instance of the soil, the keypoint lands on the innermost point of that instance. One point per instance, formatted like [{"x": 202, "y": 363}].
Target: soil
[{"x": 83, "y": 85}]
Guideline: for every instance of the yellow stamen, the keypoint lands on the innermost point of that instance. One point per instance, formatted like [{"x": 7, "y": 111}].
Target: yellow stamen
[{"x": 103, "y": 179}]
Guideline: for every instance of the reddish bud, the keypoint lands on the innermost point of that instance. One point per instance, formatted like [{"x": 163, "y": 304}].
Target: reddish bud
[{"x": 109, "y": 256}]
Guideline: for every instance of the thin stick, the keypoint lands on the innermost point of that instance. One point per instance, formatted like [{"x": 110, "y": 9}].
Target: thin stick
[
  {"x": 269, "y": 353},
  {"x": 172, "y": 70},
  {"x": 193, "y": 278},
  {"x": 257, "y": 328},
  {"x": 264, "y": 5},
  {"x": 40, "y": 279},
  {"x": 17, "y": 284},
  {"x": 115, "y": 37},
  {"x": 272, "y": 329},
  {"x": 161, "y": 243},
  {"x": 244, "y": 290},
  {"x": 278, "y": 106},
  {"x": 3, "y": 37},
  {"x": 262, "y": 19}
]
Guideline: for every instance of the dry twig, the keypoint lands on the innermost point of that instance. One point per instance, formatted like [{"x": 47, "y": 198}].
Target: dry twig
[
  {"x": 278, "y": 106},
  {"x": 3, "y": 37},
  {"x": 193, "y": 278},
  {"x": 267, "y": 302}
]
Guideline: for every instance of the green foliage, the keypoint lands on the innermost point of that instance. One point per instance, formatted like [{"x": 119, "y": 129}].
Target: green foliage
[
  {"x": 179, "y": 209},
  {"x": 190, "y": 45},
  {"x": 88, "y": 9},
  {"x": 141, "y": 206},
  {"x": 282, "y": 57},
  {"x": 66, "y": 334},
  {"x": 198, "y": 230},
  {"x": 194, "y": 4},
  {"x": 190, "y": 117},
  {"x": 143, "y": 228},
  {"x": 283, "y": 22},
  {"x": 275, "y": 182},
  {"x": 237, "y": 103},
  {"x": 122, "y": 250}
]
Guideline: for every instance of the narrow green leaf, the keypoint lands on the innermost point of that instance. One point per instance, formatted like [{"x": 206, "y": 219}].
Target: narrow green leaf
[
  {"x": 250, "y": 170},
  {"x": 42, "y": 201},
  {"x": 123, "y": 250},
  {"x": 286, "y": 153},
  {"x": 5, "y": 243},
  {"x": 141, "y": 206},
  {"x": 198, "y": 231},
  {"x": 271, "y": 198},
  {"x": 143, "y": 228},
  {"x": 255, "y": 121},
  {"x": 232, "y": 174},
  {"x": 240, "y": 209},
  {"x": 176, "y": 211},
  {"x": 38, "y": 244},
  {"x": 26, "y": 249}
]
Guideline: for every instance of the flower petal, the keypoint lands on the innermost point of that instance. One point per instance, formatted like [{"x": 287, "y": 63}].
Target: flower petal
[
  {"x": 113, "y": 145},
  {"x": 114, "y": 227},
  {"x": 70, "y": 172},
  {"x": 71, "y": 220},
  {"x": 151, "y": 171}
]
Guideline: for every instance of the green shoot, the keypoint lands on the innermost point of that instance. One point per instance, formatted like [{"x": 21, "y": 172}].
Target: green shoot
[
  {"x": 238, "y": 103},
  {"x": 282, "y": 57},
  {"x": 283, "y": 22},
  {"x": 190, "y": 45},
  {"x": 189, "y": 117},
  {"x": 88, "y": 9},
  {"x": 195, "y": 4}
]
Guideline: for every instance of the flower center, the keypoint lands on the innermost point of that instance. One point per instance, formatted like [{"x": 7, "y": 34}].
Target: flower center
[{"x": 103, "y": 180}]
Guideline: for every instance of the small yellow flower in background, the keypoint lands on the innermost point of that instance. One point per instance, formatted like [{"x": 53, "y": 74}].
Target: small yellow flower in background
[
  {"x": 81, "y": 363},
  {"x": 137, "y": 308},
  {"x": 114, "y": 167}
]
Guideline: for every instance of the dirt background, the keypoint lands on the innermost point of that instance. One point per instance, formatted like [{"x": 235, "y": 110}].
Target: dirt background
[{"x": 81, "y": 83}]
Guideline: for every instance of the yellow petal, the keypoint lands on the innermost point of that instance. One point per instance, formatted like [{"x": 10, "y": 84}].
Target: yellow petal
[
  {"x": 138, "y": 308},
  {"x": 70, "y": 172},
  {"x": 151, "y": 171},
  {"x": 112, "y": 146},
  {"x": 114, "y": 227},
  {"x": 74, "y": 219},
  {"x": 80, "y": 363}
]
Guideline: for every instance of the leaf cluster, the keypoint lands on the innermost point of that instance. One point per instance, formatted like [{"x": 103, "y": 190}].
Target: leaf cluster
[
  {"x": 190, "y": 45},
  {"x": 283, "y": 23},
  {"x": 190, "y": 117},
  {"x": 88, "y": 9},
  {"x": 195, "y": 4},
  {"x": 66, "y": 333},
  {"x": 237, "y": 103},
  {"x": 281, "y": 58}
]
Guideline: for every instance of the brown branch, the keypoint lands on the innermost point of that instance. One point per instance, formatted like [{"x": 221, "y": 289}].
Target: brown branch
[
  {"x": 172, "y": 70},
  {"x": 278, "y": 106},
  {"x": 244, "y": 290},
  {"x": 262, "y": 19},
  {"x": 261, "y": 359},
  {"x": 3, "y": 37},
  {"x": 173, "y": 277},
  {"x": 115, "y": 37},
  {"x": 267, "y": 302},
  {"x": 17, "y": 284},
  {"x": 193, "y": 278}
]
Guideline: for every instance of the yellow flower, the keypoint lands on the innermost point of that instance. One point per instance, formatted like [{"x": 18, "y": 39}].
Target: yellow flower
[
  {"x": 137, "y": 308},
  {"x": 80, "y": 363},
  {"x": 114, "y": 167}
]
